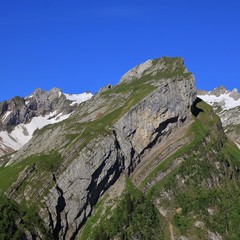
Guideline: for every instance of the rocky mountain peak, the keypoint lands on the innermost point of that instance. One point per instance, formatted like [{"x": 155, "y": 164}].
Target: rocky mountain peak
[
  {"x": 137, "y": 71},
  {"x": 235, "y": 94},
  {"x": 38, "y": 91},
  {"x": 152, "y": 67},
  {"x": 218, "y": 91},
  {"x": 221, "y": 97},
  {"x": 221, "y": 91},
  {"x": 20, "y": 117},
  {"x": 109, "y": 135},
  {"x": 144, "y": 145}
]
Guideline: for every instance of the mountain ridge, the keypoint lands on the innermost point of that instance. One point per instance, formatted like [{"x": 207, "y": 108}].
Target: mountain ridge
[{"x": 149, "y": 139}]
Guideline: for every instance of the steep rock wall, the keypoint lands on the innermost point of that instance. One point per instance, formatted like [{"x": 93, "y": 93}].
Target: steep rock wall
[{"x": 101, "y": 162}]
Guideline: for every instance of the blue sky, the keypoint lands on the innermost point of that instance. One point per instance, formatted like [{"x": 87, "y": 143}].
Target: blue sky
[{"x": 83, "y": 45}]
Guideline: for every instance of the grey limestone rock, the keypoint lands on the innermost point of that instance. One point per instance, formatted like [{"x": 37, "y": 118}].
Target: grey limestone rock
[
  {"x": 105, "y": 158},
  {"x": 88, "y": 171},
  {"x": 39, "y": 103},
  {"x": 168, "y": 107}
]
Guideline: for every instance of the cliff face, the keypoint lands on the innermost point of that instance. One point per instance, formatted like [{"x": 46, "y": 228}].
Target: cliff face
[
  {"x": 151, "y": 131},
  {"x": 102, "y": 161},
  {"x": 154, "y": 118},
  {"x": 109, "y": 135}
]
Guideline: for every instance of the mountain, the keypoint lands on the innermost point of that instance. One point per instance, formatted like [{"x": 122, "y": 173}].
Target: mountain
[
  {"x": 145, "y": 159},
  {"x": 227, "y": 105},
  {"x": 20, "y": 117}
]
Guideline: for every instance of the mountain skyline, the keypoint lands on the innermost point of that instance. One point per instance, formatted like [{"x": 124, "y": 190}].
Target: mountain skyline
[
  {"x": 149, "y": 146},
  {"x": 79, "y": 46}
]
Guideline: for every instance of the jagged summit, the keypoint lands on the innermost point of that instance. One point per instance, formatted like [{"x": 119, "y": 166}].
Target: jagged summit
[
  {"x": 221, "y": 97},
  {"x": 20, "y": 117},
  {"x": 218, "y": 91}
]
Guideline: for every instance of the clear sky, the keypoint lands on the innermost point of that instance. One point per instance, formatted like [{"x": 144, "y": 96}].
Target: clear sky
[{"x": 83, "y": 45}]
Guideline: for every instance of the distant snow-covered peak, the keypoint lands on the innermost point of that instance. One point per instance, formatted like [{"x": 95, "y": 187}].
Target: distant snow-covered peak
[
  {"x": 22, "y": 133},
  {"x": 221, "y": 97},
  {"x": 20, "y": 117},
  {"x": 78, "y": 98}
]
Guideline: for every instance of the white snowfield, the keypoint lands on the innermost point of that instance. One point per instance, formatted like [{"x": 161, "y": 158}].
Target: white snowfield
[
  {"x": 78, "y": 98},
  {"x": 22, "y": 133},
  {"x": 224, "y": 100}
]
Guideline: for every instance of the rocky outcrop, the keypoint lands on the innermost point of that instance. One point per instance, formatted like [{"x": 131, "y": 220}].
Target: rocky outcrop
[
  {"x": 153, "y": 119},
  {"x": 102, "y": 161},
  {"x": 70, "y": 202}
]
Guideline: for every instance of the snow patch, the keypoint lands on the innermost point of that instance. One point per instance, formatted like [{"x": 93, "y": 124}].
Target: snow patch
[
  {"x": 30, "y": 96},
  {"x": 22, "y": 133},
  {"x": 6, "y": 115},
  {"x": 235, "y": 90},
  {"x": 224, "y": 100},
  {"x": 78, "y": 98},
  {"x": 59, "y": 94}
]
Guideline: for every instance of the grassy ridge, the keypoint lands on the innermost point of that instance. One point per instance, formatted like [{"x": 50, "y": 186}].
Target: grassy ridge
[{"x": 205, "y": 187}]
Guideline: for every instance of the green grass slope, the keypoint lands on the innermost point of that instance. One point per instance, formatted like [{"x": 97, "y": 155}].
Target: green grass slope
[
  {"x": 131, "y": 216},
  {"x": 202, "y": 193}
]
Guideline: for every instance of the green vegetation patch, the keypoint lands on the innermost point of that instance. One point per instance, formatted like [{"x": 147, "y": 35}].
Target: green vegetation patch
[
  {"x": 15, "y": 222},
  {"x": 133, "y": 216},
  {"x": 38, "y": 164},
  {"x": 205, "y": 186}
]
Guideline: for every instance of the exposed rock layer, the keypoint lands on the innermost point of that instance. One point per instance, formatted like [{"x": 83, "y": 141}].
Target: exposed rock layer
[
  {"x": 93, "y": 159},
  {"x": 101, "y": 162}
]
